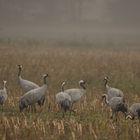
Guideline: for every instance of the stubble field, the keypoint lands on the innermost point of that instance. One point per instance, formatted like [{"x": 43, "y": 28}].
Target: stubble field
[{"x": 71, "y": 64}]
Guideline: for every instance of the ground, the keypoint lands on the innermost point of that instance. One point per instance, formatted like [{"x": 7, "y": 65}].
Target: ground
[{"x": 70, "y": 64}]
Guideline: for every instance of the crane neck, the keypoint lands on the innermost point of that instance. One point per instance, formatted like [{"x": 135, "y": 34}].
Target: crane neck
[
  {"x": 19, "y": 72},
  {"x": 4, "y": 87},
  {"x": 45, "y": 81},
  {"x": 82, "y": 86},
  {"x": 106, "y": 98},
  {"x": 106, "y": 81},
  {"x": 106, "y": 84},
  {"x": 62, "y": 88}
]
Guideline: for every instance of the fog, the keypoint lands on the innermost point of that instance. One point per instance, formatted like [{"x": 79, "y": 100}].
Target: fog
[{"x": 70, "y": 19}]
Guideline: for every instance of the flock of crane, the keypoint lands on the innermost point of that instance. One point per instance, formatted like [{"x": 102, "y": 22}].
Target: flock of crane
[{"x": 34, "y": 94}]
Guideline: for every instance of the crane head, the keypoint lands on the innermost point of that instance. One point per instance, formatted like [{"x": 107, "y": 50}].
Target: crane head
[
  {"x": 63, "y": 83},
  {"x": 129, "y": 117},
  {"x": 82, "y": 82},
  {"x": 4, "y": 82},
  {"x": 45, "y": 75},
  {"x": 20, "y": 66},
  {"x": 105, "y": 78}
]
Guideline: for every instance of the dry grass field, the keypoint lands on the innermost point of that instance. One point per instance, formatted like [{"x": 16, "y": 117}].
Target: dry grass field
[{"x": 71, "y": 64}]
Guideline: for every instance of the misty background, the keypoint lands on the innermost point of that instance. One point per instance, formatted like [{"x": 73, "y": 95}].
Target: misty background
[{"x": 83, "y": 20}]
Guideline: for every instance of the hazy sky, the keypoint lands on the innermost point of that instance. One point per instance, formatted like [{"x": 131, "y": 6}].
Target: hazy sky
[{"x": 45, "y": 17}]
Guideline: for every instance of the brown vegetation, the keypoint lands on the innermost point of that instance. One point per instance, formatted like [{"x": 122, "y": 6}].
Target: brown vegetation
[{"x": 91, "y": 121}]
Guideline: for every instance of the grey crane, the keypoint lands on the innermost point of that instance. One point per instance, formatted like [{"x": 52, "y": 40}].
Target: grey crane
[
  {"x": 3, "y": 93},
  {"x": 112, "y": 92},
  {"x": 134, "y": 111},
  {"x": 77, "y": 93},
  {"x": 33, "y": 96},
  {"x": 117, "y": 104},
  {"x": 25, "y": 84},
  {"x": 63, "y": 99}
]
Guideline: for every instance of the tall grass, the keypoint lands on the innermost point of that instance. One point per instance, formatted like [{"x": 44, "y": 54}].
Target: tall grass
[{"x": 92, "y": 118}]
